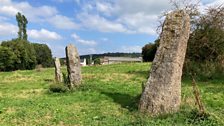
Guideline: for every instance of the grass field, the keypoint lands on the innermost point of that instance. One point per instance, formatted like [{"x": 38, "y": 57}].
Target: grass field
[{"x": 108, "y": 97}]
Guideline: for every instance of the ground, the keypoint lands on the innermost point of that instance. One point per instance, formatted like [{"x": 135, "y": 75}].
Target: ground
[{"x": 108, "y": 96}]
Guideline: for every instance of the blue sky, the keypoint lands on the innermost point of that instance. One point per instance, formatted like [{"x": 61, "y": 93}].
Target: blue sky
[{"x": 93, "y": 26}]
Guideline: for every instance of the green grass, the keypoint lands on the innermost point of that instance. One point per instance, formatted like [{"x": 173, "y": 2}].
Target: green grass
[{"x": 108, "y": 96}]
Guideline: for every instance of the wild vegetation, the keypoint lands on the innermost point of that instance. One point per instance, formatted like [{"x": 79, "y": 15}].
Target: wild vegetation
[
  {"x": 205, "y": 49},
  {"x": 108, "y": 96},
  {"x": 20, "y": 54}
]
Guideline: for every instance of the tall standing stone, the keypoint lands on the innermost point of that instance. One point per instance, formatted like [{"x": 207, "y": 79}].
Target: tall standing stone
[
  {"x": 162, "y": 93},
  {"x": 58, "y": 75},
  {"x": 73, "y": 66}
]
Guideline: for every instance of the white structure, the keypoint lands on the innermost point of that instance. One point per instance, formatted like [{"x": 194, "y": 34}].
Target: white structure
[
  {"x": 83, "y": 62},
  {"x": 111, "y": 60}
]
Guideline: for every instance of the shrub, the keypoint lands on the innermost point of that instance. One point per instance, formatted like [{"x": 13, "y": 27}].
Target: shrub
[
  {"x": 58, "y": 87},
  {"x": 97, "y": 61},
  {"x": 65, "y": 79},
  {"x": 43, "y": 54},
  {"x": 203, "y": 70},
  {"x": 149, "y": 51},
  {"x": 25, "y": 55},
  {"x": 7, "y": 58}
]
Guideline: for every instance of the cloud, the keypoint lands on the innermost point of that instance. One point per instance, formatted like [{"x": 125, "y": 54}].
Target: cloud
[
  {"x": 82, "y": 41},
  {"x": 33, "y": 14},
  {"x": 140, "y": 23},
  {"x": 215, "y": 3},
  {"x": 104, "y": 39},
  {"x": 96, "y": 22},
  {"x": 149, "y": 7},
  {"x": 104, "y": 8},
  {"x": 2, "y": 18},
  {"x": 57, "y": 50},
  {"x": 124, "y": 16},
  {"x": 43, "y": 35},
  {"x": 38, "y": 14},
  {"x": 62, "y": 22},
  {"x": 8, "y": 29},
  {"x": 127, "y": 16}
]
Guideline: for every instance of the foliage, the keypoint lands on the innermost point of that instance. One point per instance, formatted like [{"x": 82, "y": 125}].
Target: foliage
[
  {"x": 21, "y": 54},
  {"x": 22, "y": 22},
  {"x": 25, "y": 55},
  {"x": 58, "y": 87},
  {"x": 205, "y": 52},
  {"x": 97, "y": 61},
  {"x": 203, "y": 70},
  {"x": 65, "y": 79},
  {"x": 7, "y": 58},
  {"x": 149, "y": 51},
  {"x": 43, "y": 54}
]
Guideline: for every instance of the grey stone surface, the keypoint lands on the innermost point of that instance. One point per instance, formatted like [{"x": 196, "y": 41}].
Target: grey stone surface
[
  {"x": 162, "y": 93},
  {"x": 73, "y": 66},
  {"x": 58, "y": 74}
]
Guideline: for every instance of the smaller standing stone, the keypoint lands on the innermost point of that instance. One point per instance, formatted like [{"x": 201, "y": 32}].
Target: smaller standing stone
[
  {"x": 73, "y": 66},
  {"x": 58, "y": 75}
]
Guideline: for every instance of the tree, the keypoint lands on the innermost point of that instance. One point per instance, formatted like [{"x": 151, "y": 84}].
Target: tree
[
  {"x": 22, "y": 22},
  {"x": 25, "y": 55},
  {"x": 24, "y": 27},
  {"x": 43, "y": 55},
  {"x": 149, "y": 51},
  {"x": 206, "y": 45},
  {"x": 19, "y": 22},
  {"x": 97, "y": 61},
  {"x": 7, "y": 58}
]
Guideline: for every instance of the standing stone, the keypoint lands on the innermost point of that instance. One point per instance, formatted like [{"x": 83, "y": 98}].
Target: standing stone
[
  {"x": 58, "y": 75},
  {"x": 73, "y": 66},
  {"x": 162, "y": 93}
]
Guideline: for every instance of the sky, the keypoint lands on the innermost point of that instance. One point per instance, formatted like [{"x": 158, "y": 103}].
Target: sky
[{"x": 93, "y": 26}]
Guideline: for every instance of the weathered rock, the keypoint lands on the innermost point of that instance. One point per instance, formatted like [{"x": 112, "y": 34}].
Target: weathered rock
[
  {"x": 73, "y": 66},
  {"x": 58, "y": 75},
  {"x": 162, "y": 93}
]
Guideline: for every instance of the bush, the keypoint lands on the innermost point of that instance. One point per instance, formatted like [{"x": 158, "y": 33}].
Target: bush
[
  {"x": 203, "y": 70},
  {"x": 97, "y": 61},
  {"x": 43, "y": 55},
  {"x": 65, "y": 79},
  {"x": 58, "y": 87},
  {"x": 149, "y": 51},
  {"x": 205, "y": 51},
  {"x": 7, "y": 58},
  {"x": 25, "y": 55}
]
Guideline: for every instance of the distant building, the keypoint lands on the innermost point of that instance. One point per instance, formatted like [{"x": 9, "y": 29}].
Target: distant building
[
  {"x": 112, "y": 60},
  {"x": 83, "y": 62}
]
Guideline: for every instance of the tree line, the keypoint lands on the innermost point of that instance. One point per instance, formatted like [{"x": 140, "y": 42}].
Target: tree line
[
  {"x": 205, "y": 51},
  {"x": 20, "y": 54}
]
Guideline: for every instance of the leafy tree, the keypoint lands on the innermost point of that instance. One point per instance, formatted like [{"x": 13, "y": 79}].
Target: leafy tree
[
  {"x": 22, "y": 22},
  {"x": 149, "y": 51},
  {"x": 97, "y": 61},
  {"x": 7, "y": 58},
  {"x": 25, "y": 55},
  {"x": 205, "y": 52},
  {"x": 43, "y": 55},
  {"x": 206, "y": 42},
  {"x": 24, "y": 27}
]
